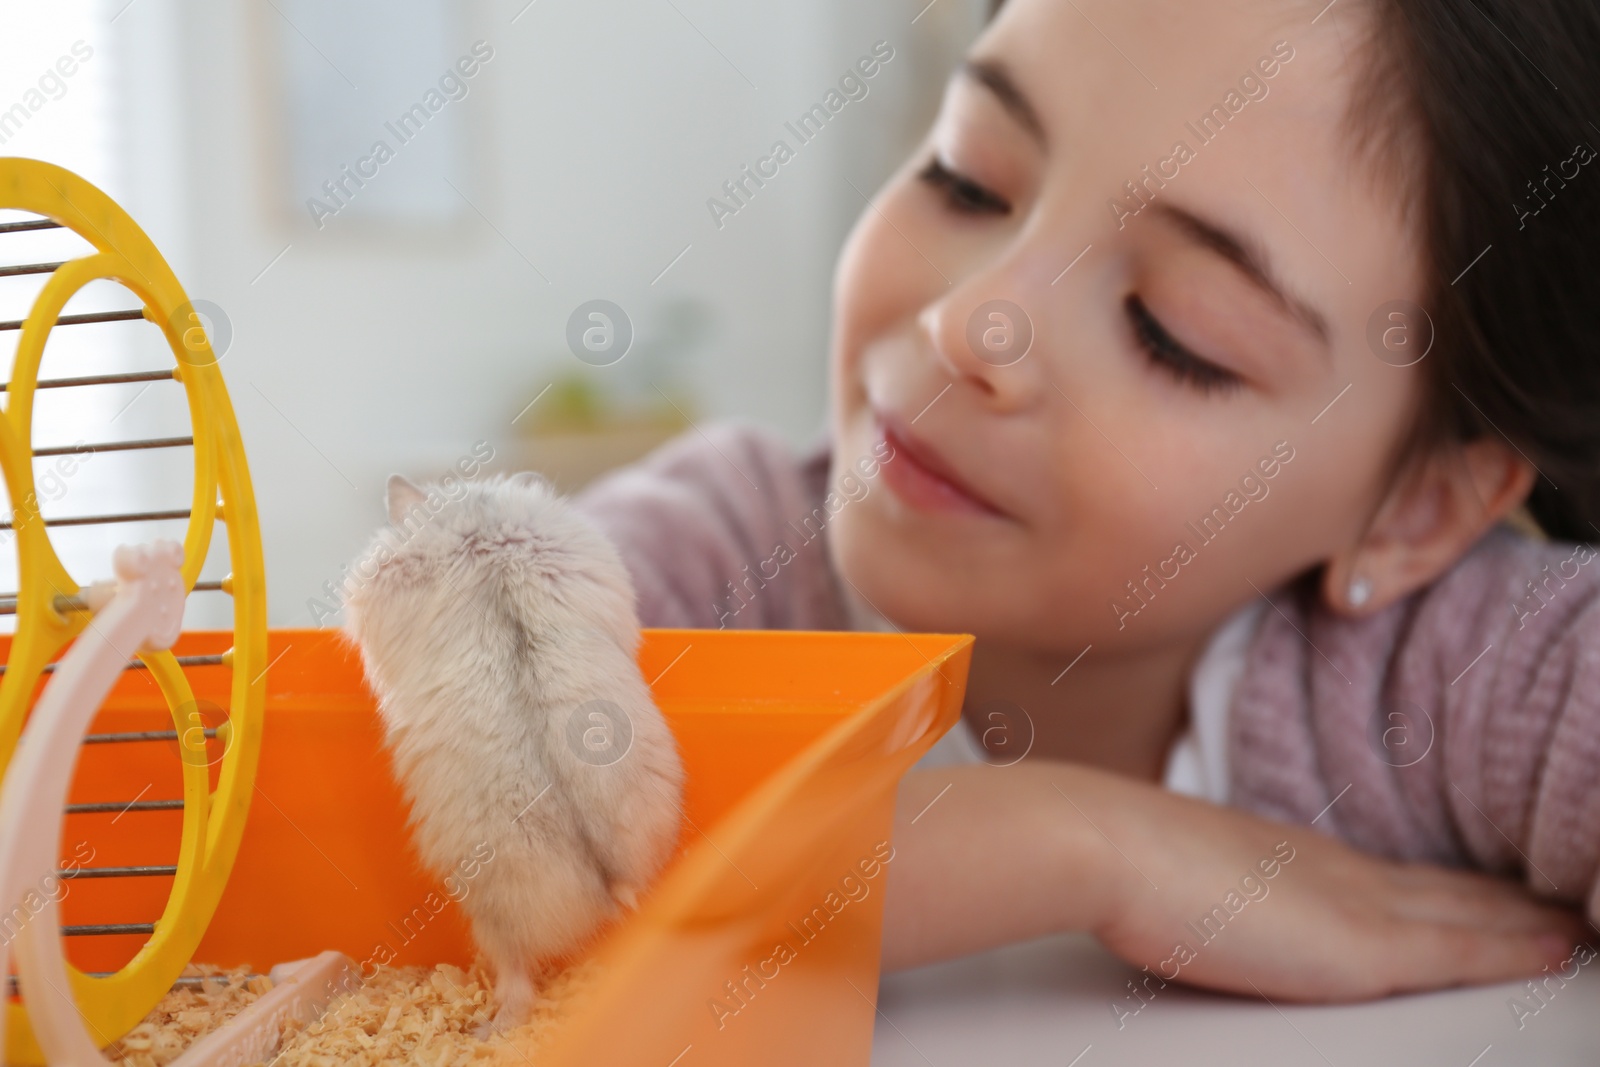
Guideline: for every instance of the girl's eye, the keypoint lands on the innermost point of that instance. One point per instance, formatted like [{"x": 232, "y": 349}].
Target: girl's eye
[
  {"x": 1178, "y": 361},
  {"x": 961, "y": 193}
]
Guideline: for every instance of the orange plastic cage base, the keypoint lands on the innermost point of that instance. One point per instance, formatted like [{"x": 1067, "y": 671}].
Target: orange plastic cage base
[{"x": 793, "y": 742}]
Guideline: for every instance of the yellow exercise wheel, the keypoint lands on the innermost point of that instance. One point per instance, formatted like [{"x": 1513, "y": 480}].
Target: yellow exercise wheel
[{"x": 49, "y": 609}]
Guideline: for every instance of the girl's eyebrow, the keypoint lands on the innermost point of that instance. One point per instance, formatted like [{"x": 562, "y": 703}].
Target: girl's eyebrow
[
  {"x": 992, "y": 75},
  {"x": 1249, "y": 258}
]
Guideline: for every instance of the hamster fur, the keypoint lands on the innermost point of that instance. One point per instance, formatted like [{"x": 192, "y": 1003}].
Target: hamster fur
[{"x": 488, "y": 622}]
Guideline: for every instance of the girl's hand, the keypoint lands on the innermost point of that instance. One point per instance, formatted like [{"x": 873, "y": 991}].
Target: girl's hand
[
  {"x": 1197, "y": 893},
  {"x": 1248, "y": 905}
]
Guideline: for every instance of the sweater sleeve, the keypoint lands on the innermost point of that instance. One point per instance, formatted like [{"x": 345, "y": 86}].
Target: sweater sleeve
[
  {"x": 712, "y": 528},
  {"x": 1460, "y": 726},
  {"x": 1522, "y": 742}
]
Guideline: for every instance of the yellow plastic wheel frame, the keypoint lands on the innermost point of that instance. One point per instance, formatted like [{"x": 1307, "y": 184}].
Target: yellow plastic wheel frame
[{"x": 212, "y": 822}]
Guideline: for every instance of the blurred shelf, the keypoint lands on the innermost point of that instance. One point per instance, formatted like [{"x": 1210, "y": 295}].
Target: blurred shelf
[{"x": 573, "y": 458}]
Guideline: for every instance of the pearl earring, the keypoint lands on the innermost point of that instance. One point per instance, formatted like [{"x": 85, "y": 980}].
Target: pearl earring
[{"x": 1360, "y": 590}]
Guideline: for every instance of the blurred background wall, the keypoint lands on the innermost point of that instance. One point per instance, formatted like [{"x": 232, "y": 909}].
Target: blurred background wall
[{"x": 393, "y": 323}]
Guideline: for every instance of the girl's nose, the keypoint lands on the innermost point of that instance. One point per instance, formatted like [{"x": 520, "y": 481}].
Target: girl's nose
[{"x": 986, "y": 336}]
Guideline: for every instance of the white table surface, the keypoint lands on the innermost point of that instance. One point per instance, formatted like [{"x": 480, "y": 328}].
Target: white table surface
[{"x": 1045, "y": 1002}]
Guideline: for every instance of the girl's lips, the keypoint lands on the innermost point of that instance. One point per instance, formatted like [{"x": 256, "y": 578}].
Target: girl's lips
[{"x": 921, "y": 477}]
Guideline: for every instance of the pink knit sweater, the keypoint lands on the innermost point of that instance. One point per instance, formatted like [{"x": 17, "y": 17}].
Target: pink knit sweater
[{"x": 1460, "y": 726}]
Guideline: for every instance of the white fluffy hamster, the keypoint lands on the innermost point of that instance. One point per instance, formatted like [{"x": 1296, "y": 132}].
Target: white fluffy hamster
[{"x": 498, "y": 630}]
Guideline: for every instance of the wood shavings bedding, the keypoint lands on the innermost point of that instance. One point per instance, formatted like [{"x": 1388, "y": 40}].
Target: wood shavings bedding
[
  {"x": 186, "y": 1013},
  {"x": 405, "y": 1015}
]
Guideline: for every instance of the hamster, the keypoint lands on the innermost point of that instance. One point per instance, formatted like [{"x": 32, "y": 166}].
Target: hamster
[{"x": 498, "y": 628}]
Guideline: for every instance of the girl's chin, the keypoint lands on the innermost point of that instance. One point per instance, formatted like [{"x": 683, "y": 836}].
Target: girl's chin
[{"x": 901, "y": 581}]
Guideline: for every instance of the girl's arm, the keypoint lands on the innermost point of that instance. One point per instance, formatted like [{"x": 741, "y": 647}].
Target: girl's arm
[{"x": 1195, "y": 892}]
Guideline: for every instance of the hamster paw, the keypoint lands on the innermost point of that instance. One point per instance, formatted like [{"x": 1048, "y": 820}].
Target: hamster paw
[
  {"x": 516, "y": 994},
  {"x": 625, "y": 895}
]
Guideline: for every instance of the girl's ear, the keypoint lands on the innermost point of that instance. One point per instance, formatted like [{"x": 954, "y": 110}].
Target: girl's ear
[{"x": 1430, "y": 518}]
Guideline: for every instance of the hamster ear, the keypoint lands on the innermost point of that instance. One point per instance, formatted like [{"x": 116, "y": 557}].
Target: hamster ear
[{"x": 401, "y": 497}]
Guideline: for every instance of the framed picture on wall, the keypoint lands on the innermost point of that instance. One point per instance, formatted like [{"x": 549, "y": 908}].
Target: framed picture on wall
[{"x": 369, "y": 115}]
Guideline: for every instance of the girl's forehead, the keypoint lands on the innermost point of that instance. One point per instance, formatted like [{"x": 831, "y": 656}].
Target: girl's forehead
[
  {"x": 1138, "y": 54},
  {"x": 1249, "y": 84}
]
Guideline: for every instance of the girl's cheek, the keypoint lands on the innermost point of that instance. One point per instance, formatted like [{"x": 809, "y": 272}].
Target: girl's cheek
[{"x": 883, "y": 280}]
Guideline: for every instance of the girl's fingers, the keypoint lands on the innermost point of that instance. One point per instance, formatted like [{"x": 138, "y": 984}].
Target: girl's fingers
[
  {"x": 1426, "y": 876},
  {"x": 1430, "y": 956},
  {"x": 1484, "y": 903},
  {"x": 1459, "y": 906}
]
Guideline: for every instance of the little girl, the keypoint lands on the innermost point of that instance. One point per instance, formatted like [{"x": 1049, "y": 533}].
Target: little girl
[{"x": 1228, "y": 370}]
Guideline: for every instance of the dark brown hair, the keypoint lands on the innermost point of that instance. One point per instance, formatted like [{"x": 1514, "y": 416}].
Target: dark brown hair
[{"x": 1483, "y": 107}]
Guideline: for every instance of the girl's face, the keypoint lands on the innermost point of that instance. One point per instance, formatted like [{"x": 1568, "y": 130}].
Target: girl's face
[{"x": 1165, "y": 196}]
